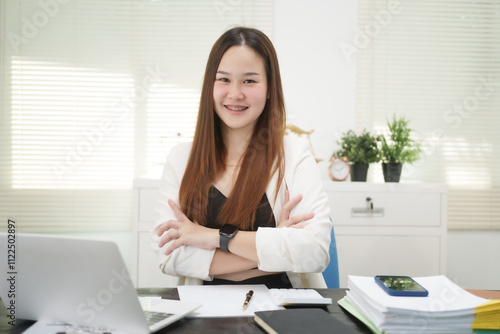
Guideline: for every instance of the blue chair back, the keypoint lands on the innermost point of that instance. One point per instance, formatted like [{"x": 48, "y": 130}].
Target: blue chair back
[{"x": 331, "y": 273}]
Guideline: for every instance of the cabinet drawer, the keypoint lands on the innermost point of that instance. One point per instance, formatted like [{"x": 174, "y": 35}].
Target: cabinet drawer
[
  {"x": 389, "y": 208},
  {"x": 149, "y": 275},
  {"x": 147, "y": 203}
]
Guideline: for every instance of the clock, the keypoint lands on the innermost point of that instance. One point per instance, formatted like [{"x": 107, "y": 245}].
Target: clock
[{"x": 339, "y": 169}]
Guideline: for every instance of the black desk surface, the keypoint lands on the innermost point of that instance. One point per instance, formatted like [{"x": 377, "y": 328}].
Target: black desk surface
[{"x": 208, "y": 325}]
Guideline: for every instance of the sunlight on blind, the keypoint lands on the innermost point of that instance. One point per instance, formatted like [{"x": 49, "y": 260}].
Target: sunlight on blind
[
  {"x": 438, "y": 63},
  {"x": 71, "y": 115},
  {"x": 94, "y": 94},
  {"x": 172, "y": 113},
  {"x": 468, "y": 165}
]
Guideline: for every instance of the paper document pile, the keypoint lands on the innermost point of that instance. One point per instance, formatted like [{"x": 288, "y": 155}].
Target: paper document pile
[{"x": 447, "y": 309}]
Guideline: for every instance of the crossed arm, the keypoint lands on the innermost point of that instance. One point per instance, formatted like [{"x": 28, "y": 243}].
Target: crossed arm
[{"x": 243, "y": 250}]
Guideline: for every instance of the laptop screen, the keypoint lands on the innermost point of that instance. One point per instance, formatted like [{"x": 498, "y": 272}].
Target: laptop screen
[{"x": 70, "y": 280}]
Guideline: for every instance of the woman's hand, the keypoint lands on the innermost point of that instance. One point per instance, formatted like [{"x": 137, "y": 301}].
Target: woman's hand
[
  {"x": 286, "y": 220},
  {"x": 185, "y": 232}
]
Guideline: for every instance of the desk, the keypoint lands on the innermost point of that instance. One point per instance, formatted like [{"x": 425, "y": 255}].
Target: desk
[{"x": 209, "y": 325}]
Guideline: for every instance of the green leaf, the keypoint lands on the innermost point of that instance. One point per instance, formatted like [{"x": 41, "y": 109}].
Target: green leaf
[
  {"x": 363, "y": 148},
  {"x": 400, "y": 147}
]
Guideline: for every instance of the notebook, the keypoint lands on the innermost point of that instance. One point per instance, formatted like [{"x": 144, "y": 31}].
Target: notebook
[
  {"x": 301, "y": 321},
  {"x": 79, "y": 282}
]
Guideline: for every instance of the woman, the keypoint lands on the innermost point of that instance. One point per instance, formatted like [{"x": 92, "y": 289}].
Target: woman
[{"x": 225, "y": 213}]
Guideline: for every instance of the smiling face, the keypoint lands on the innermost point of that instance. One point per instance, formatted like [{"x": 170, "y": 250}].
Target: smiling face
[{"x": 240, "y": 89}]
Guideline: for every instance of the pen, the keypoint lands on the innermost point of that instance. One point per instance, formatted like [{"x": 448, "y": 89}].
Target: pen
[{"x": 247, "y": 299}]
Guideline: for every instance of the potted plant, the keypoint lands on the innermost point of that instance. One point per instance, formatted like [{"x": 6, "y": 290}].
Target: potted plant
[
  {"x": 400, "y": 148},
  {"x": 360, "y": 151}
]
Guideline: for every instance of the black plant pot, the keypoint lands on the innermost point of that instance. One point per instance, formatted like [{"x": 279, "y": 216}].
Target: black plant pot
[
  {"x": 359, "y": 171},
  {"x": 392, "y": 171}
]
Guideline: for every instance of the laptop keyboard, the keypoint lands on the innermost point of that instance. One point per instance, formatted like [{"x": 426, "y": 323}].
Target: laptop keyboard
[{"x": 155, "y": 317}]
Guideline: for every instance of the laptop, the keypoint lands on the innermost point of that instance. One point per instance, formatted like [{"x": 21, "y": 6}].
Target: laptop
[{"x": 79, "y": 282}]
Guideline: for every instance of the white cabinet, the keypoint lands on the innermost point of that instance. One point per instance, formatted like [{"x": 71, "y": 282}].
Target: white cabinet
[
  {"x": 144, "y": 268},
  {"x": 389, "y": 228},
  {"x": 403, "y": 233}
]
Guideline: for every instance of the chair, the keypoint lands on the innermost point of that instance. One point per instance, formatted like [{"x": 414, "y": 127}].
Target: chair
[{"x": 331, "y": 273}]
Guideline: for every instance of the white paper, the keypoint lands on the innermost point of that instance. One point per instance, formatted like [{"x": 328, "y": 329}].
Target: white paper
[
  {"x": 226, "y": 300},
  {"x": 149, "y": 302},
  {"x": 447, "y": 309},
  {"x": 41, "y": 327}
]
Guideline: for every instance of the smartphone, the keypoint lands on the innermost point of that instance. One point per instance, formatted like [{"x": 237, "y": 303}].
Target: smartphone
[{"x": 401, "y": 286}]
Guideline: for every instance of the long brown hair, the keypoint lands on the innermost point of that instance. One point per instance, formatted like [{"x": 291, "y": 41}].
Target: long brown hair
[{"x": 264, "y": 155}]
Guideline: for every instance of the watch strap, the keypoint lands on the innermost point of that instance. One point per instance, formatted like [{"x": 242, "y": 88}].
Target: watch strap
[
  {"x": 226, "y": 233},
  {"x": 224, "y": 243}
]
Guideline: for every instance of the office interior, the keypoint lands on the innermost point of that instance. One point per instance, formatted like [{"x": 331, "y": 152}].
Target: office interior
[{"x": 316, "y": 45}]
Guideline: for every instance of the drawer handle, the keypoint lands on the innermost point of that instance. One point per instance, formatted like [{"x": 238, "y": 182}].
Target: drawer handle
[{"x": 368, "y": 211}]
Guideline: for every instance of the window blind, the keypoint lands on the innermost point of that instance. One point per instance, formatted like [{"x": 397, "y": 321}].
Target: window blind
[
  {"x": 437, "y": 62},
  {"x": 94, "y": 93}
]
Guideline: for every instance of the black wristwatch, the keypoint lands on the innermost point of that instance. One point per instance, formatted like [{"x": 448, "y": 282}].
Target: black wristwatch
[{"x": 226, "y": 232}]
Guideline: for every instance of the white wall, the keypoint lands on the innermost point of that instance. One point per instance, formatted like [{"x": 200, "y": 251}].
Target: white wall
[
  {"x": 473, "y": 258},
  {"x": 318, "y": 82}
]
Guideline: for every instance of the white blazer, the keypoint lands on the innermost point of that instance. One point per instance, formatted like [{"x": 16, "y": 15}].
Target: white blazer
[{"x": 301, "y": 253}]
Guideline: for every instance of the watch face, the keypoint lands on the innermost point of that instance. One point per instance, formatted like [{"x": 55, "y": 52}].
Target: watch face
[
  {"x": 339, "y": 170},
  {"x": 228, "y": 229}
]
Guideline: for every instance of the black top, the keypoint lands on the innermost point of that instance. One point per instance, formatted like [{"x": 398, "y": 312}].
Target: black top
[{"x": 264, "y": 216}]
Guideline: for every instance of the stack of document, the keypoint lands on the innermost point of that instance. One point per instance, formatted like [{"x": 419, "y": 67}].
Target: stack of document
[{"x": 447, "y": 309}]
